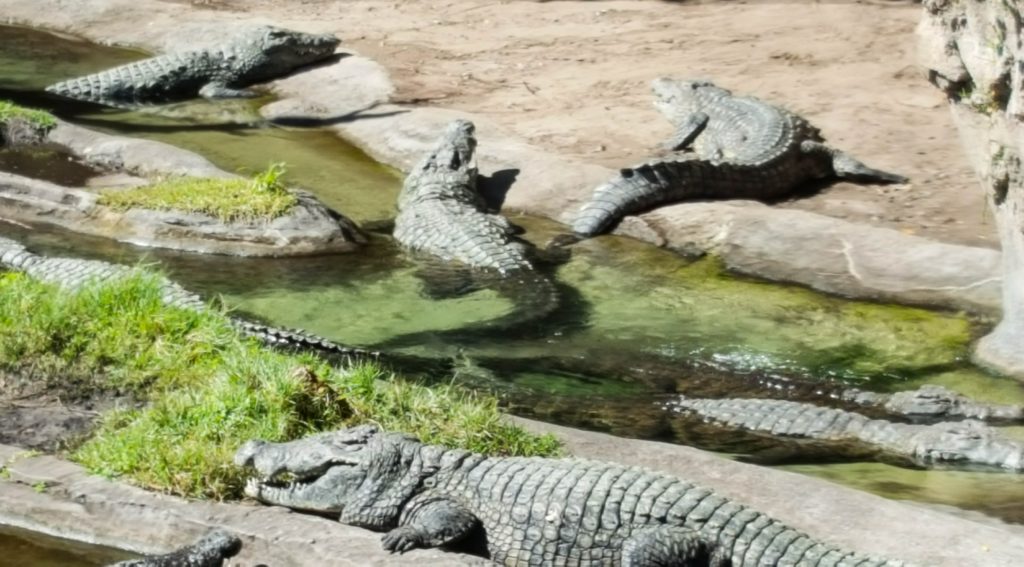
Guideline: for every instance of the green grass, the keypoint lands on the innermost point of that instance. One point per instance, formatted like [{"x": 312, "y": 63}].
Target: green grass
[
  {"x": 262, "y": 197},
  {"x": 10, "y": 111},
  {"x": 210, "y": 389}
]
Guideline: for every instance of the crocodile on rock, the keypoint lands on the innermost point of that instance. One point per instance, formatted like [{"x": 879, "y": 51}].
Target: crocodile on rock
[
  {"x": 256, "y": 54},
  {"x": 530, "y": 511},
  {"x": 967, "y": 442},
  {"x": 736, "y": 148},
  {"x": 442, "y": 215},
  {"x": 211, "y": 550}
]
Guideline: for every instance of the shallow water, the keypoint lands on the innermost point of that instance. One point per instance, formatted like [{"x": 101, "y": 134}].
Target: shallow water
[
  {"x": 637, "y": 324},
  {"x": 23, "y": 548}
]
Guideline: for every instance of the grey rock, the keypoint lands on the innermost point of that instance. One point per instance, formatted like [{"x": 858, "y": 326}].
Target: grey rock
[
  {"x": 741, "y": 148},
  {"x": 531, "y": 510},
  {"x": 973, "y": 53},
  {"x": 251, "y": 56}
]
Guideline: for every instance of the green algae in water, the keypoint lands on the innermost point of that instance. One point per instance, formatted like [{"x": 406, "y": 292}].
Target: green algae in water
[
  {"x": 652, "y": 300},
  {"x": 996, "y": 493}
]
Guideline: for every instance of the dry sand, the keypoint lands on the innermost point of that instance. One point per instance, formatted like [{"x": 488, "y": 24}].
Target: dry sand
[{"x": 573, "y": 77}]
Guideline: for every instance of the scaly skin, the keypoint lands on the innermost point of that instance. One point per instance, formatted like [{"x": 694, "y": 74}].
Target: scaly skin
[
  {"x": 73, "y": 273},
  {"x": 441, "y": 214},
  {"x": 740, "y": 148},
  {"x": 534, "y": 511},
  {"x": 209, "y": 551},
  {"x": 255, "y": 55},
  {"x": 948, "y": 443}
]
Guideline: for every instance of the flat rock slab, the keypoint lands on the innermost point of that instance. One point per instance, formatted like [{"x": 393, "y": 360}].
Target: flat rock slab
[
  {"x": 56, "y": 497},
  {"x": 828, "y": 254},
  {"x": 309, "y": 228}
]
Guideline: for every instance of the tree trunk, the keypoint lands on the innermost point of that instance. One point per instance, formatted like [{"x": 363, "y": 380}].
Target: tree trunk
[{"x": 973, "y": 51}]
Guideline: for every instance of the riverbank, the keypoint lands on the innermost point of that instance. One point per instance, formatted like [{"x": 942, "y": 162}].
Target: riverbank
[{"x": 366, "y": 102}]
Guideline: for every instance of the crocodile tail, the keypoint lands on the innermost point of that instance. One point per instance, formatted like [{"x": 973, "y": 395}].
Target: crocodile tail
[
  {"x": 297, "y": 340},
  {"x": 90, "y": 87},
  {"x": 13, "y": 255},
  {"x": 640, "y": 188},
  {"x": 534, "y": 298}
]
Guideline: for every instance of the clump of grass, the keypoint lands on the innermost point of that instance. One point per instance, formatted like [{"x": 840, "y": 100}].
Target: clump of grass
[
  {"x": 119, "y": 335},
  {"x": 261, "y": 197},
  {"x": 39, "y": 118},
  {"x": 211, "y": 390}
]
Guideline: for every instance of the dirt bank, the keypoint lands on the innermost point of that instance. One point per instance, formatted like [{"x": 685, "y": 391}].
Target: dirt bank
[{"x": 572, "y": 77}]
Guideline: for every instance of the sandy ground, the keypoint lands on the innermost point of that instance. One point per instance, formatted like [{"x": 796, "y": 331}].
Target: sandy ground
[{"x": 573, "y": 77}]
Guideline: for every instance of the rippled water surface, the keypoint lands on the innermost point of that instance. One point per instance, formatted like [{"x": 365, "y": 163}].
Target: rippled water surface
[{"x": 637, "y": 324}]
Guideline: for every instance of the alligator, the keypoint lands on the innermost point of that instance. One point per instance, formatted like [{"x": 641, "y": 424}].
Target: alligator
[
  {"x": 211, "y": 550},
  {"x": 736, "y": 148},
  {"x": 932, "y": 402},
  {"x": 442, "y": 216},
  {"x": 530, "y": 511},
  {"x": 254, "y": 55},
  {"x": 74, "y": 273},
  {"x": 962, "y": 443}
]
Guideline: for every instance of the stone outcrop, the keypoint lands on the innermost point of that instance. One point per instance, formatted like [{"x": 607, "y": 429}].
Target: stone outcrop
[
  {"x": 309, "y": 228},
  {"x": 974, "y": 52}
]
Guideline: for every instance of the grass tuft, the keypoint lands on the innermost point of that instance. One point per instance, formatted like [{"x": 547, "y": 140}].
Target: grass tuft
[
  {"x": 262, "y": 197},
  {"x": 210, "y": 390},
  {"x": 10, "y": 111}
]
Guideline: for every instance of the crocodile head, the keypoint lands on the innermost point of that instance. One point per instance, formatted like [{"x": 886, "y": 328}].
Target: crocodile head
[
  {"x": 266, "y": 52},
  {"x": 362, "y": 474},
  {"x": 968, "y": 441},
  {"x": 450, "y": 163},
  {"x": 672, "y": 96}
]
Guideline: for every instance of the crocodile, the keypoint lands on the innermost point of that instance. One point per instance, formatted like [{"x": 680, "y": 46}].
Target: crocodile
[
  {"x": 961, "y": 443},
  {"x": 736, "y": 148},
  {"x": 211, "y": 550},
  {"x": 254, "y": 55},
  {"x": 529, "y": 510},
  {"x": 442, "y": 216},
  {"x": 74, "y": 273}
]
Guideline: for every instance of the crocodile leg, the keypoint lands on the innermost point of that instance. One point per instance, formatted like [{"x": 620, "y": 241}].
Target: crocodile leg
[
  {"x": 846, "y": 167},
  {"x": 688, "y": 131},
  {"x": 216, "y": 89},
  {"x": 666, "y": 546},
  {"x": 430, "y": 521}
]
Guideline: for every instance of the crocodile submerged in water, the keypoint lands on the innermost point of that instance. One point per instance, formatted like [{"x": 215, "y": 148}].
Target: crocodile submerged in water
[
  {"x": 73, "y": 273},
  {"x": 211, "y": 550},
  {"x": 738, "y": 148},
  {"x": 254, "y": 55},
  {"x": 442, "y": 214},
  {"x": 960, "y": 443},
  {"x": 530, "y": 511}
]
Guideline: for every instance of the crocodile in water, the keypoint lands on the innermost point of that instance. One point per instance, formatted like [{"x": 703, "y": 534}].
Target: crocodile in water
[
  {"x": 253, "y": 55},
  {"x": 531, "y": 511},
  {"x": 73, "y": 273},
  {"x": 737, "y": 148},
  {"x": 211, "y": 550},
  {"x": 967, "y": 442},
  {"x": 442, "y": 215}
]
